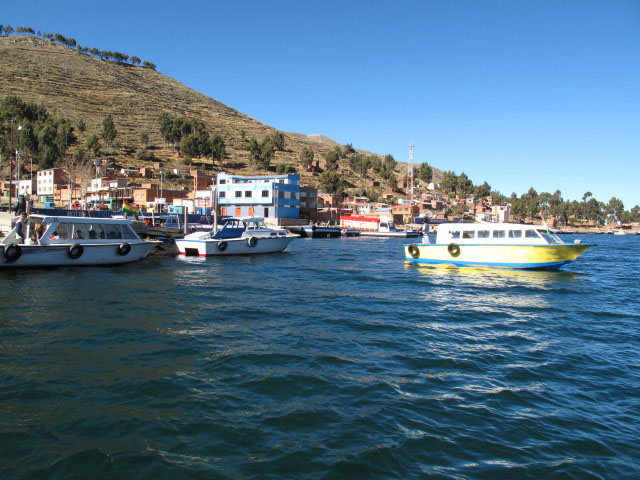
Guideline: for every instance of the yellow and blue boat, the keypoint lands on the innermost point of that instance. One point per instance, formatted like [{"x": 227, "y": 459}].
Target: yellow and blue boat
[{"x": 499, "y": 245}]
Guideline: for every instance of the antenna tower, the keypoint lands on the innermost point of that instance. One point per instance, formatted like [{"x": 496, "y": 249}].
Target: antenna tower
[{"x": 410, "y": 173}]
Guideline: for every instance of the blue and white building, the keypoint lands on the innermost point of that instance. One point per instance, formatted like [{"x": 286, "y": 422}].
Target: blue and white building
[{"x": 269, "y": 196}]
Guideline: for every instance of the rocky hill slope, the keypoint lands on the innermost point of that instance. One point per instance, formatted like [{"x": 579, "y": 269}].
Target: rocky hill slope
[{"x": 81, "y": 87}]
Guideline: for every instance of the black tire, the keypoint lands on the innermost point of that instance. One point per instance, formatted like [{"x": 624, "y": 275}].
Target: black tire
[
  {"x": 12, "y": 252},
  {"x": 253, "y": 241},
  {"x": 75, "y": 251},
  {"x": 222, "y": 246},
  {"x": 124, "y": 249},
  {"x": 453, "y": 249},
  {"x": 414, "y": 251}
]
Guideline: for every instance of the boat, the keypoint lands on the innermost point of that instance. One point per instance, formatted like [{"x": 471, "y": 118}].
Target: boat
[
  {"x": 316, "y": 231},
  {"x": 59, "y": 241},
  {"x": 375, "y": 226},
  {"x": 501, "y": 245},
  {"x": 238, "y": 236}
]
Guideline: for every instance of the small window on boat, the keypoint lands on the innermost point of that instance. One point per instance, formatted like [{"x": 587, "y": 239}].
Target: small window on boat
[
  {"x": 454, "y": 234},
  {"x": 80, "y": 231},
  {"x": 95, "y": 231},
  {"x": 498, "y": 233},
  {"x": 530, "y": 234},
  {"x": 515, "y": 233},
  {"x": 468, "y": 234},
  {"x": 128, "y": 232},
  {"x": 112, "y": 231},
  {"x": 483, "y": 234},
  {"x": 61, "y": 232}
]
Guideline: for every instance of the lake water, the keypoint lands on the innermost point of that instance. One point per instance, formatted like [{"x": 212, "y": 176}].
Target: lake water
[{"x": 333, "y": 360}]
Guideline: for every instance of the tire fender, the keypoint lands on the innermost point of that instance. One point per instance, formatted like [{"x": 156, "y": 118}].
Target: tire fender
[
  {"x": 75, "y": 251},
  {"x": 414, "y": 251},
  {"x": 124, "y": 249},
  {"x": 12, "y": 252},
  {"x": 453, "y": 249}
]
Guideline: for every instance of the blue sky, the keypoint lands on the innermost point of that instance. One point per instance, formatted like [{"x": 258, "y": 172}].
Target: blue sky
[{"x": 518, "y": 93}]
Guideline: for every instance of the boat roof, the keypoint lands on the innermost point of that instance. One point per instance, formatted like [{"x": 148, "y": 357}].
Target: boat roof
[
  {"x": 490, "y": 226},
  {"x": 245, "y": 219},
  {"x": 80, "y": 219}
]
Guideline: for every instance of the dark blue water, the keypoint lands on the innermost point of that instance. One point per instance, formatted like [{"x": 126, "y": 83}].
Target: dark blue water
[{"x": 335, "y": 360}]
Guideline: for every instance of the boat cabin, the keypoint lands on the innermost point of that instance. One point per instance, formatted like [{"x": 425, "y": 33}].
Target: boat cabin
[
  {"x": 46, "y": 230},
  {"x": 493, "y": 233},
  {"x": 237, "y": 227}
]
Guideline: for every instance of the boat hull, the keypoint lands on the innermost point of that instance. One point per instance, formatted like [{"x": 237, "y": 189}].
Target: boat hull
[
  {"x": 537, "y": 257},
  {"x": 396, "y": 234},
  {"x": 316, "y": 232},
  {"x": 93, "y": 254},
  {"x": 237, "y": 246}
]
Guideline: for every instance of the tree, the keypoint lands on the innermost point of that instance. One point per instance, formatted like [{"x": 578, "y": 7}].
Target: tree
[
  {"x": 283, "y": 169},
  {"x": 277, "y": 140},
  {"x": 388, "y": 164},
  {"x": 8, "y": 30},
  {"x": 331, "y": 159},
  {"x": 260, "y": 153},
  {"x": 93, "y": 144},
  {"x": 306, "y": 158},
  {"x": 348, "y": 149},
  {"x": 217, "y": 148},
  {"x": 359, "y": 164},
  {"x": 464, "y": 186},
  {"x": 331, "y": 182},
  {"x": 144, "y": 138},
  {"x": 376, "y": 164},
  {"x": 449, "y": 182},
  {"x": 135, "y": 60},
  {"x": 615, "y": 209},
  {"x": 150, "y": 65},
  {"x": 425, "y": 172},
  {"x": 482, "y": 191},
  {"x": 109, "y": 132}
]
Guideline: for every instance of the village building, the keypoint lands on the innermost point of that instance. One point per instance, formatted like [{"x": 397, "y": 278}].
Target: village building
[
  {"x": 268, "y": 196},
  {"x": 47, "y": 182}
]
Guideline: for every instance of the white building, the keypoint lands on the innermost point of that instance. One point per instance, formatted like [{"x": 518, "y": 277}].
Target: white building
[
  {"x": 46, "y": 182},
  {"x": 502, "y": 212},
  {"x": 27, "y": 187}
]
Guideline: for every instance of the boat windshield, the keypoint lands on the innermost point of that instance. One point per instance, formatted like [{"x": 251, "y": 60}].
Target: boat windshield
[{"x": 549, "y": 236}]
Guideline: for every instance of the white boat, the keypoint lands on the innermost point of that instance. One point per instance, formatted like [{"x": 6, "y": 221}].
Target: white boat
[
  {"x": 375, "y": 226},
  {"x": 58, "y": 241},
  {"x": 504, "y": 245},
  {"x": 238, "y": 236}
]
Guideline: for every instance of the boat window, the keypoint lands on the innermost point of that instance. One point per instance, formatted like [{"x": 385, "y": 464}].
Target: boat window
[
  {"x": 80, "y": 231},
  {"x": 128, "y": 232},
  {"x": 515, "y": 233},
  {"x": 95, "y": 231},
  {"x": 548, "y": 236},
  {"x": 498, "y": 233},
  {"x": 483, "y": 234},
  {"x": 454, "y": 234},
  {"x": 61, "y": 232},
  {"x": 530, "y": 234},
  {"x": 112, "y": 231},
  {"x": 468, "y": 234}
]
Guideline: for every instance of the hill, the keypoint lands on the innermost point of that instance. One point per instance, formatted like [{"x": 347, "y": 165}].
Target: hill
[{"x": 81, "y": 87}]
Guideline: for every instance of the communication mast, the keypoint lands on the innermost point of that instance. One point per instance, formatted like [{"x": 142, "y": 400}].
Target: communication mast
[{"x": 410, "y": 173}]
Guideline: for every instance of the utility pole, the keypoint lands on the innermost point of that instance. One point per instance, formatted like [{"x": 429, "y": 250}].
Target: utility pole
[{"x": 410, "y": 173}]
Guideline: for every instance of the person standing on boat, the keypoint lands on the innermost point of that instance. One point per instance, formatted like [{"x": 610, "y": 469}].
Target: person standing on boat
[{"x": 21, "y": 228}]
